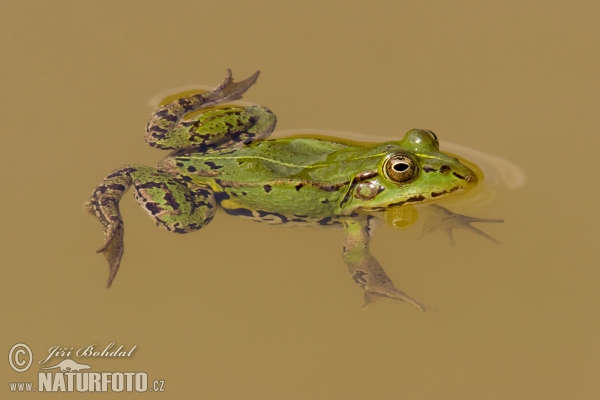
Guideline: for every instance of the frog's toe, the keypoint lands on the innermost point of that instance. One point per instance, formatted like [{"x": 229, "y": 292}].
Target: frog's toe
[
  {"x": 465, "y": 223},
  {"x": 226, "y": 81}
]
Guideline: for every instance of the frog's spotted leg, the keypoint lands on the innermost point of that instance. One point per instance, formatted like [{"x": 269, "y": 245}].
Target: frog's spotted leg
[
  {"x": 365, "y": 269},
  {"x": 168, "y": 128},
  {"x": 175, "y": 204},
  {"x": 440, "y": 218}
]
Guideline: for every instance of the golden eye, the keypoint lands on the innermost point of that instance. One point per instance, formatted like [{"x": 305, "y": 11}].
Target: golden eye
[{"x": 399, "y": 168}]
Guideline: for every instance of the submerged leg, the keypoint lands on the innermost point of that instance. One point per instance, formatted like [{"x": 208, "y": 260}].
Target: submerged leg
[
  {"x": 174, "y": 204},
  {"x": 212, "y": 126},
  {"x": 365, "y": 269}
]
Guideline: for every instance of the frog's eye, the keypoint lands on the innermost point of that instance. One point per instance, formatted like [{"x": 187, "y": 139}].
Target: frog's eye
[{"x": 399, "y": 168}]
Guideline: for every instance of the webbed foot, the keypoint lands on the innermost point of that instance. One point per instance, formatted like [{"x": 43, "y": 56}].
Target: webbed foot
[
  {"x": 229, "y": 90},
  {"x": 113, "y": 249},
  {"x": 440, "y": 218}
]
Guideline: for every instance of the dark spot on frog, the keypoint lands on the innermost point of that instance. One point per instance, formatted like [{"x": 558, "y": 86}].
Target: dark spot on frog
[
  {"x": 166, "y": 115},
  {"x": 220, "y": 196},
  {"x": 212, "y": 165},
  {"x": 300, "y": 215},
  {"x": 203, "y": 192},
  {"x": 415, "y": 199},
  {"x": 243, "y": 212},
  {"x": 436, "y": 194},
  {"x": 170, "y": 201},
  {"x": 358, "y": 278},
  {"x": 159, "y": 221},
  {"x": 263, "y": 214},
  {"x": 328, "y": 221},
  {"x": 459, "y": 176},
  {"x": 121, "y": 172},
  {"x": 151, "y": 185},
  {"x": 427, "y": 168},
  {"x": 444, "y": 168},
  {"x": 203, "y": 204},
  {"x": 191, "y": 168},
  {"x": 333, "y": 187},
  {"x": 153, "y": 208},
  {"x": 116, "y": 186},
  {"x": 267, "y": 188},
  {"x": 299, "y": 186},
  {"x": 324, "y": 221},
  {"x": 179, "y": 164},
  {"x": 180, "y": 230},
  {"x": 186, "y": 178}
]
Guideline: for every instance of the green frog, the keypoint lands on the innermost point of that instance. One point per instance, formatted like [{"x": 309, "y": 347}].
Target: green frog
[{"x": 220, "y": 158}]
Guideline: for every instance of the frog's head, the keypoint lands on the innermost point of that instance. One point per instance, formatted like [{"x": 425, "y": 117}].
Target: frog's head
[{"x": 411, "y": 171}]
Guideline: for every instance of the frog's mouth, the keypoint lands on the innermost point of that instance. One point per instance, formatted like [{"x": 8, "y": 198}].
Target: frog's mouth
[{"x": 464, "y": 183}]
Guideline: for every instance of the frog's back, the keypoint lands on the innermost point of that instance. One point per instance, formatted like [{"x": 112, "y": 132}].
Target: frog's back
[{"x": 265, "y": 161}]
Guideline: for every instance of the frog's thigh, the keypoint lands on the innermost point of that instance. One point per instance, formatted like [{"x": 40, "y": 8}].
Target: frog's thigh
[
  {"x": 233, "y": 126},
  {"x": 172, "y": 203}
]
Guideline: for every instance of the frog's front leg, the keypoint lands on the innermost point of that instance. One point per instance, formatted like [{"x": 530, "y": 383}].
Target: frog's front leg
[
  {"x": 365, "y": 269},
  {"x": 175, "y": 204}
]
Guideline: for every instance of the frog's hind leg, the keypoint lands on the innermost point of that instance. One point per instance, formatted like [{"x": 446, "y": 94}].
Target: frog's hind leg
[
  {"x": 227, "y": 126},
  {"x": 175, "y": 204},
  {"x": 365, "y": 269}
]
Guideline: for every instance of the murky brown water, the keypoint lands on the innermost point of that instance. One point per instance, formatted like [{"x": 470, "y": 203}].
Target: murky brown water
[{"x": 244, "y": 310}]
